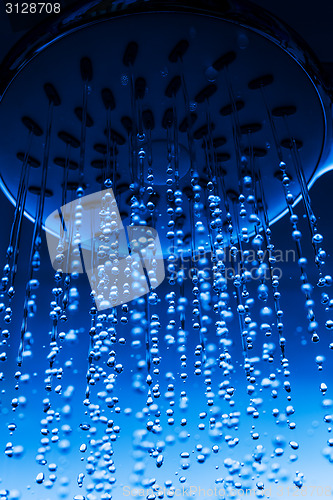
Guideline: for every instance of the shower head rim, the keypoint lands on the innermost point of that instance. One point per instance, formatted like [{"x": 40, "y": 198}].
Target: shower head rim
[{"x": 33, "y": 42}]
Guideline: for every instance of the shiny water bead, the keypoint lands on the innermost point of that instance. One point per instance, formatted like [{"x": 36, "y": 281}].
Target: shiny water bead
[
  {"x": 40, "y": 478},
  {"x": 294, "y": 445}
]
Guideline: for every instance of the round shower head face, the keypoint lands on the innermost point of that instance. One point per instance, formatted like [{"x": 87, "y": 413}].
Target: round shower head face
[{"x": 189, "y": 99}]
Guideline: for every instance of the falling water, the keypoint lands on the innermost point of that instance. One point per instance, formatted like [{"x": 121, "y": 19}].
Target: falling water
[{"x": 191, "y": 375}]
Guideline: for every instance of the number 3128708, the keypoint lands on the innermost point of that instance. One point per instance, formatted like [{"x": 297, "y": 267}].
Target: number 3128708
[{"x": 33, "y": 8}]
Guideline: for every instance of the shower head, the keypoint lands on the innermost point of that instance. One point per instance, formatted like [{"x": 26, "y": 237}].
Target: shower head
[
  {"x": 210, "y": 95},
  {"x": 158, "y": 142}
]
